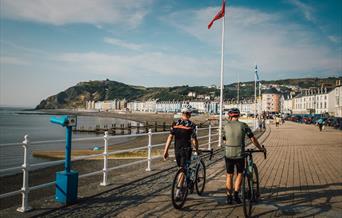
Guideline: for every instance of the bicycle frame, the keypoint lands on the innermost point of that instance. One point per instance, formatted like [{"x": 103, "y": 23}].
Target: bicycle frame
[
  {"x": 249, "y": 170},
  {"x": 187, "y": 178},
  {"x": 190, "y": 168}
]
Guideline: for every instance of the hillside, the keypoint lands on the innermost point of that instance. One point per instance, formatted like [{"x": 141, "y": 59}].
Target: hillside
[{"x": 75, "y": 96}]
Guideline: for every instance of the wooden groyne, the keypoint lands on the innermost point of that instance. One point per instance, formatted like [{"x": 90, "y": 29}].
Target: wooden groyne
[{"x": 123, "y": 129}]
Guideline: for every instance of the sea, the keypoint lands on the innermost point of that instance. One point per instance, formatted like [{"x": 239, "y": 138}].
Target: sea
[{"x": 15, "y": 123}]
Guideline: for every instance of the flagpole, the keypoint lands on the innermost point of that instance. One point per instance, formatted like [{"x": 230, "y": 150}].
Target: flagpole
[
  {"x": 238, "y": 90},
  {"x": 221, "y": 86},
  {"x": 260, "y": 98},
  {"x": 255, "y": 94}
]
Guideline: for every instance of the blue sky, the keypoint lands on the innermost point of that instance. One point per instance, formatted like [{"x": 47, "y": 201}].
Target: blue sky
[{"x": 47, "y": 46}]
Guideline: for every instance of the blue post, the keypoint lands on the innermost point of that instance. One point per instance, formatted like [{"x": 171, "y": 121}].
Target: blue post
[
  {"x": 67, "y": 162},
  {"x": 67, "y": 180}
]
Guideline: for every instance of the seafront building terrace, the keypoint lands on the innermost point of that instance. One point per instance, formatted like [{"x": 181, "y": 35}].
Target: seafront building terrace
[{"x": 308, "y": 101}]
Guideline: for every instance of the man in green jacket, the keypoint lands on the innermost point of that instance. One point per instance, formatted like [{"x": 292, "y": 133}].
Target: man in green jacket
[{"x": 234, "y": 141}]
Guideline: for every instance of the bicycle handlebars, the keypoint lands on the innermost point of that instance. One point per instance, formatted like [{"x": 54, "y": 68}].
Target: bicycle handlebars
[
  {"x": 207, "y": 151},
  {"x": 256, "y": 151}
]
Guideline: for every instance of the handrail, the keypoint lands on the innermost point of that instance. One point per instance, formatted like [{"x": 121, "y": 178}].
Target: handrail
[
  {"x": 89, "y": 138},
  {"x": 27, "y": 166},
  {"x": 52, "y": 163}
]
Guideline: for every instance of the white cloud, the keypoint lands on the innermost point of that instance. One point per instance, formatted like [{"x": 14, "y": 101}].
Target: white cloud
[
  {"x": 305, "y": 9},
  {"x": 336, "y": 39},
  {"x": 60, "y": 12},
  {"x": 4, "y": 60},
  {"x": 140, "y": 66},
  {"x": 122, "y": 43},
  {"x": 253, "y": 36}
]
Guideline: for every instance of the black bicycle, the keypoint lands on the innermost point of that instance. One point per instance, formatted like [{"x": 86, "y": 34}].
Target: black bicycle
[
  {"x": 193, "y": 176},
  {"x": 250, "y": 182}
]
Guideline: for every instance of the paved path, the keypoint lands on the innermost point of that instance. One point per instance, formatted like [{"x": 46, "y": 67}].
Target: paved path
[{"x": 302, "y": 177}]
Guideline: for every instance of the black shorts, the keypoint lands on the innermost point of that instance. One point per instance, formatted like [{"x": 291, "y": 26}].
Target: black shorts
[
  {"x": 183, "y": 156},
  {"x": 230, "y": 163}
]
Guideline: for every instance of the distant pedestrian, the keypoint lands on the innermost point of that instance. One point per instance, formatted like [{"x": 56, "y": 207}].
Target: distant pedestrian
[
  {"x": 264, "y": 123},
  {"x": 277, "y": 121},
  {"x": 260, "y": 123},
  {"x": 320, "y": 124}
]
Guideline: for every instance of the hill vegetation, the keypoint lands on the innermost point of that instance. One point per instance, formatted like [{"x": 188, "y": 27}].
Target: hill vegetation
[{"x": 76, "y": 96}]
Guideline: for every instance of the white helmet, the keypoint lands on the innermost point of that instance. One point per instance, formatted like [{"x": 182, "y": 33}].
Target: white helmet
[{"x": 186, "y": 109}]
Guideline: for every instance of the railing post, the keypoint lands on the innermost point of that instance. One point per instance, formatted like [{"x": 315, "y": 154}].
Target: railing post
[
  {"x": 209, "y": 138},
  {"x": 105, "y": 161},
  {"x": 25, "y": 189},
  {"x": 149, "y": 148}
]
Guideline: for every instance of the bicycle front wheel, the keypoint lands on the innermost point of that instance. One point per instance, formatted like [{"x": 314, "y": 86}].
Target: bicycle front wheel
[
  {"x": 179, "y": 190},
  {"x": 256, "y": 189},
  {"x": 200, "y": 178},
  {"x": 247, "y": 195}
]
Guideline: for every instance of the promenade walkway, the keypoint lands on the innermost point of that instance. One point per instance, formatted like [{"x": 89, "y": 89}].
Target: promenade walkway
[{"x": 302, "y": 177}]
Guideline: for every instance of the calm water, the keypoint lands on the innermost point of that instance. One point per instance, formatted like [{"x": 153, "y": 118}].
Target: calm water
[{"x": 15, "y": 123}]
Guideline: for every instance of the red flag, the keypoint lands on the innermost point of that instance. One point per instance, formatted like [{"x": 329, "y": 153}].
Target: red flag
[{"x": 219, "y": 15}]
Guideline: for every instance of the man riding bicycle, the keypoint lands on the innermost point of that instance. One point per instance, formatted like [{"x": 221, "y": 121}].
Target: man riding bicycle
[
  {"x": 234, "y": 141},
  {"x": 184, "y": 132}
]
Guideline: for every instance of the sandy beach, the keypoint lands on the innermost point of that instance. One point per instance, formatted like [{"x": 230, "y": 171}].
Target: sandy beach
[
  {"x": 131, "y": 143},
  {"x": 134, "y": 116}
]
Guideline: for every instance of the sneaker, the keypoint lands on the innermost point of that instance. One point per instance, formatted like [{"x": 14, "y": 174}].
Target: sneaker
[
  {"x": 237, "y": 198},
  {"x": 229, "y": 199}
]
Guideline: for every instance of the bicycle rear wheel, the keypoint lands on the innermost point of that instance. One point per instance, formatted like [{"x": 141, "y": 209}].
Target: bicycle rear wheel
[
  {"x": 179, "y": 190},
  {"x": 200, "y": 178},
  {"x": 247, "y": 195}
]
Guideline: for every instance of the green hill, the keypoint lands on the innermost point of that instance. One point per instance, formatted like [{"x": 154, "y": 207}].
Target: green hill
[{"x": 76, "y": 96}]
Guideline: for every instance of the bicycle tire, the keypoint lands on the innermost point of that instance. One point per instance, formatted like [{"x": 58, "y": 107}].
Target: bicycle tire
[
  {"x": 200, "y": 186},
  {"x": 256, "y": 185},
  {"x": 246, "y": 195},
  {"x": 178, "y": 204}
]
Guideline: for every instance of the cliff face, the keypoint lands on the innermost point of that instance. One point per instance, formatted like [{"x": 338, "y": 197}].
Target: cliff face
[{"x": 76, "y": 96}]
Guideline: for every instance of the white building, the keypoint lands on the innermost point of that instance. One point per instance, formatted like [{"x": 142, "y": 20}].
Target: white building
[
  {"x": 108, "y": 105},
  {"x": 287, "y": 104},
  {"x": 245, "y": 107},
  {"x": 338, "y": 99},
  {"x": 169, "y": 106},
  {"x": 145, "y": 106},
  {"x": 201, "y": 106},
  {"x": 98, "y": 105},
  {"x": 90, "y": 105},
  {"x": 315, "y": 101},
  {"x": 192, "y": 94}
]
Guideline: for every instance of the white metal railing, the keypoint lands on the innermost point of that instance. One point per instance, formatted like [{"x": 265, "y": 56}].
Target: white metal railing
[{"x": 26, "y": 167}]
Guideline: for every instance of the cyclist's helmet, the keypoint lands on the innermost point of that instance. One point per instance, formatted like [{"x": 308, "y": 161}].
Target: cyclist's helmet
[
  {"x": 186, "y": 109},
  {"x": 234, "y": 112}
]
